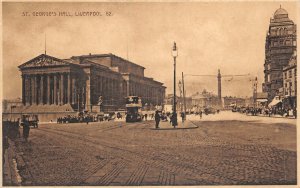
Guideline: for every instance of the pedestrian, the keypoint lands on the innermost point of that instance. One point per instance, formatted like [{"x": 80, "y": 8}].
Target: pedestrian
[
  {"x": 146, "y": 115},
  {"x": 157, "y": 119},
  {"x": 26, "y": 129},
  {"x": 200, "y": 113},
  {"x": 182, "y": 117}
]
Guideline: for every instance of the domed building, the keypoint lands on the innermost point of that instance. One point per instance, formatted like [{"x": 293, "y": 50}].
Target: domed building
[{"x": 280, "y": 46}]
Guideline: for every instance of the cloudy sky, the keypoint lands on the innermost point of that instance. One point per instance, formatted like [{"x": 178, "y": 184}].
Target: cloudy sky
[{"x": 229, "y": 36}]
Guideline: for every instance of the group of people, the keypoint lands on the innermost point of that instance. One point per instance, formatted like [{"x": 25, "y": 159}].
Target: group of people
[
  {"x": 285, "y": 112},
  {"x": 86, "y": 118}
]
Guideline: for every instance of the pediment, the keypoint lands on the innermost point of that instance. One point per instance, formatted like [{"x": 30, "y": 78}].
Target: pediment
[{"x": 44, "y": 61}]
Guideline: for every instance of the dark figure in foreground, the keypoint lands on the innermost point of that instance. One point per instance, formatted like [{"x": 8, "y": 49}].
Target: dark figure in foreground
[
  {"x": 157, "y": 119},
  {"x": 182, "y": 116},
  {"x": 26, "y": 129}
]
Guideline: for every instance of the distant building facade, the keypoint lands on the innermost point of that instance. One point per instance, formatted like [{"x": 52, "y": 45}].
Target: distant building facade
[
  {"x": 86, "y": 82},
  {"x": 279, "y": 47},
  {"x": 205, "y": 99},
  {"x": 228, "y": 102}
]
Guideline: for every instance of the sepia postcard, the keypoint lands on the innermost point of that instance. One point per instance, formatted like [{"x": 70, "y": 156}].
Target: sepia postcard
[{"x": 161, "y": 93}]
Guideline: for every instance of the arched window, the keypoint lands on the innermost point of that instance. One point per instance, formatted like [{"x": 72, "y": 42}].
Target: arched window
[
  {"x": 285, "y": 31},
  {"x": 281, "y": 31}
]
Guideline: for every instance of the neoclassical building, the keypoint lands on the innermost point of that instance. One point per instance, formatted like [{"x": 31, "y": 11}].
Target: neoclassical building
[
  {"x": 279, "y": 48},
  {"x": 84, "y": 82}
]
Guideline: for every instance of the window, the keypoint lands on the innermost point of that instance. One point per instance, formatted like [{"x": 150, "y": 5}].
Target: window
[
  {"x": 290, "y": 73},
  {"x": 281, "y": 42},
  {"x": 285, "y": 31},
  {"x": 295, "y": 72},
  {"x": 285, "y": 75}
]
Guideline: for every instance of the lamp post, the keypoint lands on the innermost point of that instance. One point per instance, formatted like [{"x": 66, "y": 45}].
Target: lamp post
[{"x": 174, "y": 116}]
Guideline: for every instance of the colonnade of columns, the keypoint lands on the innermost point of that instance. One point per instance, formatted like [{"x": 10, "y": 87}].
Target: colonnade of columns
[
  {"x": 149, "y": 94},
  {"x": 39, "y": 89},
  {"x": 109, "y": 88}
]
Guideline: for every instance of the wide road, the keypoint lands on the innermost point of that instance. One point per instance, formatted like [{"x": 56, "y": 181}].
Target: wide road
[{"x": 227, "y": 149}]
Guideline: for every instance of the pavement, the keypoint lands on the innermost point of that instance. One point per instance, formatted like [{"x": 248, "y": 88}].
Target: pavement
[{"x": 226, "y": 149}]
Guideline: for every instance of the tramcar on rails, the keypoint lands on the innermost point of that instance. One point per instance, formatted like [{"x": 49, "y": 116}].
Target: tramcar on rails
[{"x": 133, "y": 109}]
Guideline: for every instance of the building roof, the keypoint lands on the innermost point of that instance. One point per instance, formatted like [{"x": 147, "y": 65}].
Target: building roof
[
  {"x": 103, "y": 56},
  {"x": 44, "y": 60},
  {"x": 280, "y": 11}
]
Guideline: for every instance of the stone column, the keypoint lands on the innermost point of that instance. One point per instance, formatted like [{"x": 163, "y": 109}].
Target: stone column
[
  {"x": 42, "y": 89},
  {"x": 33, "y": 89},
  {"x": 54, "y": 88},
  {"x": 74, "y": 90},
  {"x": 87, "y": 93},
  {"x": 61, "y": 88},
  {"x": 23, "y": 89},
  {"x": 27, "y": 89},
  {"x": 48, "y": 89},
  {"x": 69, "y": 95}
]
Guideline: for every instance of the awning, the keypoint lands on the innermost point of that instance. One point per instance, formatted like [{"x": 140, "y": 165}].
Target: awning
[
  {"x": 261, "y": 100},
  {"x": 274, "y": 102}
]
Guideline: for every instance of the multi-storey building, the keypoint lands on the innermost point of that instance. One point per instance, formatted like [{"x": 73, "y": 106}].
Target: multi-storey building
[
  {"x": 279, "y": 47},
  {"x": 290, "y": 82}
]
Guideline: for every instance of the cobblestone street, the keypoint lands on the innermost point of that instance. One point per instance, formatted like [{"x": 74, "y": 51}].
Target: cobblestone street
[{"x": 226, "y": 149}]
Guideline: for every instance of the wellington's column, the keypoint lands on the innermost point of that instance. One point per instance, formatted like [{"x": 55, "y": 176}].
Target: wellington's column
[
  {"x": 69, "y": 96},
  {"x": 61, "y": 88},
  {"x": 41, "y": 101},
  {"x": 54, "y": 88},
  {"x": 219, "y": 88},
  {"x": 48, "y": 90}
]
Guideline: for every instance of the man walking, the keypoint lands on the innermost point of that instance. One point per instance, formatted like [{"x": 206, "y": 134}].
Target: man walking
[
  {"x": 157, "y": 119},
  {"x": 26, "y": 129}
]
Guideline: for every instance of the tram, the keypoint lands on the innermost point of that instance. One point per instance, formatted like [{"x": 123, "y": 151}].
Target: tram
[{"x": 133, "y": 109}]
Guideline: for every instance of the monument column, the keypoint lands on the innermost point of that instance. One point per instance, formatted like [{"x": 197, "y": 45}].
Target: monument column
[
  {"x": 61, "y": 88},
  {"x": 48, "y": 89},
  {"x": 69, "y": 96},
  {"x": 42, "y": 90},
  {"x": 54, "y": 88}
]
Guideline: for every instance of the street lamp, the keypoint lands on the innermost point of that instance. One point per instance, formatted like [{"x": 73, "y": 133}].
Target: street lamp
[{"x": 174, "y": 116}]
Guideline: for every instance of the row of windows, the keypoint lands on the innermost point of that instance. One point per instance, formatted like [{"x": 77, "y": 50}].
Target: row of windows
[
  {"x": 280, "y": 31},
  {"x": 290, "y": 73},
  {"x": 283, "y": 42}
]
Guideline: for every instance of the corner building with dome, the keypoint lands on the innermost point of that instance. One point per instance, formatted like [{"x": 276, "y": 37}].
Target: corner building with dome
[{"x": 279, "y": 48}]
